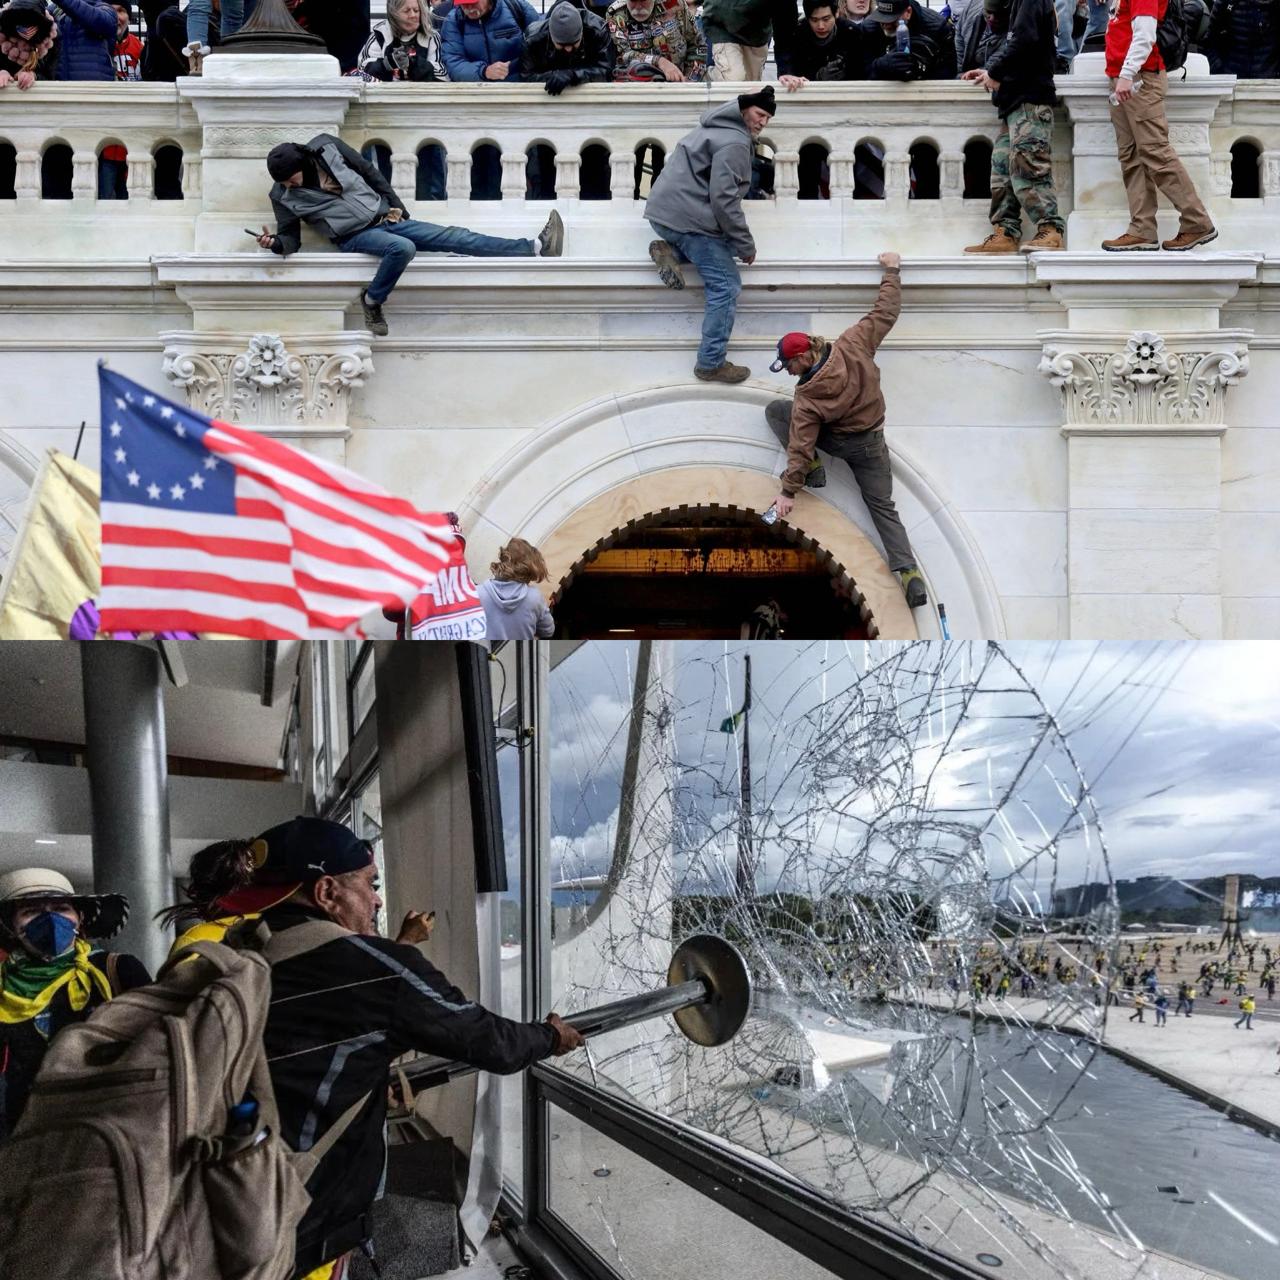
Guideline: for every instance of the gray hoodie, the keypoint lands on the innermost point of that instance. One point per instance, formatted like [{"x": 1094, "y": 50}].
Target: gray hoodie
[
  {"x": 514, "y": 611},
  {"x": 701, "y": 186}
]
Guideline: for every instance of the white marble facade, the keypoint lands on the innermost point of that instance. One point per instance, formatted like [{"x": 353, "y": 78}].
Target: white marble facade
[{"x": 1085, "y": 445}]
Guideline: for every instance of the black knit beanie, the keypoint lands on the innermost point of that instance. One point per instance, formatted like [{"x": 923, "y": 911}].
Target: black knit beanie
[
  {"x": 763, "y": 99},
  {"x": 285, "y": 160}
]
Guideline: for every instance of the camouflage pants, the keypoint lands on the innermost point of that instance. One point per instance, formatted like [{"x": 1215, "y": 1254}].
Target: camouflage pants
[{"x": 1022, "y": 171}]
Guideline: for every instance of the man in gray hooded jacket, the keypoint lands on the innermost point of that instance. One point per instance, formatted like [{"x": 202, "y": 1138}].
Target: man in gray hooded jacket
[{"x": 696, "y": 209}]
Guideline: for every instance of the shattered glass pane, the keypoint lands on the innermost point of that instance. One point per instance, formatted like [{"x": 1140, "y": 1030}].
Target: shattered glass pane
[{"x": 918, "y": 873}]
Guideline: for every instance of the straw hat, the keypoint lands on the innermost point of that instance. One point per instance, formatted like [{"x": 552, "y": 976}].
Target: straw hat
[{"x": 102, "y": 915}]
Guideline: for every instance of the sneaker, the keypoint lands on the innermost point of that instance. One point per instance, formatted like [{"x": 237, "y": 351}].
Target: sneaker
[
  {"x": 724, "y": 373},
  {"x": 1129, "y": 243},
  {"x": 999, "y": 241},
  {"x": 664, "y": 258},
  {"x": 1185, "y": 240},
  {"x": 817, "y": 477},
  {"x": 374, "y": 320},
  {"x": 551, "y": 237},
  {"x": 1045, "y": 238},
  {"x": 913, "y": 584}
]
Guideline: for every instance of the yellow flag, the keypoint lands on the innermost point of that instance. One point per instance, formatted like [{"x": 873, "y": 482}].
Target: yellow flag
[{"x": 56, "y": 562}]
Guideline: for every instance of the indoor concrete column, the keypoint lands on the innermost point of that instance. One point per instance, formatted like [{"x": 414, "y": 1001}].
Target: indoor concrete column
[{"x": 129, "y": 788}]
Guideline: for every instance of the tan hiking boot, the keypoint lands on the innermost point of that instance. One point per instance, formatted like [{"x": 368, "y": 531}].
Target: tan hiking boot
[
  {"x": 1044, "y": 239},
  {"x": 1185, "y": 240},
  {"x": 668, "y": 264},
  {"x": 1129, "y": 243},
  {"x": 725, "y": 373},
  {"x": 999, "y": 241}
]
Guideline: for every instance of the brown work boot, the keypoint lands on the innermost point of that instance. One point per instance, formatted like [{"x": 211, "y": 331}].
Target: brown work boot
[
  {"x": 1185, "y": 240},
  {"x": 1129, "y": 243},
  {"x": 999, "y": 241},
  {"x": 1045, "y": 238},
  {"x": 724, "y": 373}
]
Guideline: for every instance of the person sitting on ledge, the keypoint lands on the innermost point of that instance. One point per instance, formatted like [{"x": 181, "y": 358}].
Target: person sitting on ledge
[
  {"x": 335, "y": 189},
  {"x": 839, "y": 408},
  {"x": 569, "y": 46},
  {"x": 657, "y": 40},
  {"x": 28, "y": 44}
]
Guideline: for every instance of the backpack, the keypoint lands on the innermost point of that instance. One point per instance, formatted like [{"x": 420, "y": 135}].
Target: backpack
[
  {"x": 122, "y": 1166},
  {"x": 1174, "y": 34}
]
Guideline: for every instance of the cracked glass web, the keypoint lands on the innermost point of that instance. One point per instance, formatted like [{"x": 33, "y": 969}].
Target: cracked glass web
[{"x": 915, "y": 814}]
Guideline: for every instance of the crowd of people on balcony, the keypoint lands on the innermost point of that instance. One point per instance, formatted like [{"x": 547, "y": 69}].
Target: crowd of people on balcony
[{"x": 673, "y": 41}]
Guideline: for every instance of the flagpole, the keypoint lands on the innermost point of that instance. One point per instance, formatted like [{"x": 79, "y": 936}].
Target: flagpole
[{"x": 746, "y": 872}]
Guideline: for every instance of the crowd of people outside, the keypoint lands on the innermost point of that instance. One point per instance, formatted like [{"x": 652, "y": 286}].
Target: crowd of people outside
[{"x": 673, "y": 41}]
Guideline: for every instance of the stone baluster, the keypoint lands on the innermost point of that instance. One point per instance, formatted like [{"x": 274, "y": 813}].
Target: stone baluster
[
  {"x": 840, "y": 166},
  {"x": 514, "y": 183},
  {"x": 1220, "y": 174},
  {"x": 622, "y": 174},
  {"x": 192, "y": 174},
  {"x": 897, "y": 176},
  {"x": 26, "y": 179},
  {"x": 84, "y": 175},
  {"x": 404, "y": 173},
  {"x": 1270, "y": 161},
  {"x": 568, "y": 169},
  {"x": 951, "y": 175},
  {"x": 459, "y": 183},
  {"x": 142, "y": 173},
  {"x": 786, "y": 174}
]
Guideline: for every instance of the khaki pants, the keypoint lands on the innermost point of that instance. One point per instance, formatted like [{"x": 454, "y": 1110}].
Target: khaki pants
[
  {"x": 1149, "y": 162},
  {"x": 739, "y": 61}
]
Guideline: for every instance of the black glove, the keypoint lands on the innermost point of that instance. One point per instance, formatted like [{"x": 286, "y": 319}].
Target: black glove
[
  {"x": 894, "y": 66},
  {"x": 558, "y": 82}
]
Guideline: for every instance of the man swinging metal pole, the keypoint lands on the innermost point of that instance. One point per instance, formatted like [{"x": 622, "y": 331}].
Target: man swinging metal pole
[{"x": 839, "y": 409}]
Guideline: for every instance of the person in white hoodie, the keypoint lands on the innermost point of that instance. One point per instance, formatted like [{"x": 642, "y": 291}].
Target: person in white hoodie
[{"x": 513, "y": 607}]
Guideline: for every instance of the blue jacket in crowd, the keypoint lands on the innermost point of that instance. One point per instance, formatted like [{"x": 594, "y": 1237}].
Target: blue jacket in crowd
[
  {"x": 468, "y": 47},
  {"x": 87, "y": 38}
]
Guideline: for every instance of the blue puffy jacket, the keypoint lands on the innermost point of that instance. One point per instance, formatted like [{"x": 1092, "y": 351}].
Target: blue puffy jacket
[
  {"x": 87, "y": 36},
  {"x": 468, "y": 47}
]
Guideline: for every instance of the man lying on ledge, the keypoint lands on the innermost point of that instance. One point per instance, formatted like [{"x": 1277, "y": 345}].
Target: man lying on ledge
[{"x": 333, "y": 188}]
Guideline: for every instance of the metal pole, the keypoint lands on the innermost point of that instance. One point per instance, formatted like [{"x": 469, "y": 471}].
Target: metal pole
[
  {"x": 591, "y": 1022},
  {"x": 129, "y": 787},
  {"x": 746, "y": 876}
]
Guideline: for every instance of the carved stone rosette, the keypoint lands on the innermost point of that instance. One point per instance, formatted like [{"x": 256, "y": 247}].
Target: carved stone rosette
[
  {"x": 256, "y": 380},
  {"x": 1151, "y": 381}
]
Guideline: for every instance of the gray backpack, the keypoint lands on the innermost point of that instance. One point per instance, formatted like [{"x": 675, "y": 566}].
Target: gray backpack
[{"x": 122, "y": 1166}]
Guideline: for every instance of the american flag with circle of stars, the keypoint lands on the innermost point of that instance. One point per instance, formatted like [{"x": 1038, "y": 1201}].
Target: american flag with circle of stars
[{"x": 208, "y": 526}]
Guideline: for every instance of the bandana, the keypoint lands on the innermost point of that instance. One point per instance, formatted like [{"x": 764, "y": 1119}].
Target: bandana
[{"x": 28, "y": 985}]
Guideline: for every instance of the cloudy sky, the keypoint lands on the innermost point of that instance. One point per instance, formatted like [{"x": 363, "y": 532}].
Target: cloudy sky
[{"x": 1178, "y": 746}]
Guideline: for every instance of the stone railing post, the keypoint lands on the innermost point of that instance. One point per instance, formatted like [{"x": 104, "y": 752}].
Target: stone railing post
[
  {"x": 247, "y": 103},
  {"x": 514, "y": 183},
  {"x": 404, "y": 174},
  {"x": 786, "y": 174},
  {"x": 568, "y": 171},
  {"x": 26, "y": 179},
  {"x": 142, "y": 174},
  {"x": 1143, "y": 370},
  {"x": 458, "y": 165},
  {"x": 84, "y": 176},
  {"x": 622, "y": 174}
]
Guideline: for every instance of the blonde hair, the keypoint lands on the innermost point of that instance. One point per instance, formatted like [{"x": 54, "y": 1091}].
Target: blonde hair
[{"x": 519, "y": 561}]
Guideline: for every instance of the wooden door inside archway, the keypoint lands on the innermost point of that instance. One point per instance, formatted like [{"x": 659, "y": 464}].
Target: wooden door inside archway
[{"x": 709, "y": 571}]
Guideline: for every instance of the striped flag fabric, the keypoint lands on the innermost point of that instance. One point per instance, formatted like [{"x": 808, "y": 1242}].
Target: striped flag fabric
[{"x": 211, "y": 527}]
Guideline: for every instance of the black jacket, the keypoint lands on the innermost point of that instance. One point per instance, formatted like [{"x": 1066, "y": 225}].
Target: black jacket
[
  {"x": 978, "y": 36},
  {"x": 343, "y": 25},
  {"x": 847, "y": 54},
  {"x": 933, "y": 48},
  {"x": 592, "y": 61},
  {"x": 1244, "y": 39},
  {"x": 1023, "y": 64},
  {"x": 289, "y": 228},
  {"x": 339, "y": 1016}
]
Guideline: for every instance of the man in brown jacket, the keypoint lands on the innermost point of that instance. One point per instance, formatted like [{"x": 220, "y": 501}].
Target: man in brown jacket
[{"x": 839, "y": 408}]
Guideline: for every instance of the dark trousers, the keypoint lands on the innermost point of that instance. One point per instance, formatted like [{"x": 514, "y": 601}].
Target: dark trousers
[{"x": 868, "y": 457}]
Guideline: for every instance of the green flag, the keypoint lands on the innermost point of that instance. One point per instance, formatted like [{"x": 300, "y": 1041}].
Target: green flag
[{"x": 730, "y": 724}]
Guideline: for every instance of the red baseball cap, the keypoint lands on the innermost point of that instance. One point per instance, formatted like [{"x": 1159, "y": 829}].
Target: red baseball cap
[{"x": 790, "y": 345}]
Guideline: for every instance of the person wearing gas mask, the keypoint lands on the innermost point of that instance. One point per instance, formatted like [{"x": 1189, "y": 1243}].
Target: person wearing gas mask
[{"x": 52, "y": 976}]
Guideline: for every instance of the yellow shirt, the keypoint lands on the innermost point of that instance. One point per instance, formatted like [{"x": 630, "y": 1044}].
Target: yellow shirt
[{"x": 206, "y": 931}]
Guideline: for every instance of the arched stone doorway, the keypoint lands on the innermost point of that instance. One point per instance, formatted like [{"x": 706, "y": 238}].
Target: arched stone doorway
[
  {"x": 709, "y": 572},
  {"x": 570, "y": 485}
]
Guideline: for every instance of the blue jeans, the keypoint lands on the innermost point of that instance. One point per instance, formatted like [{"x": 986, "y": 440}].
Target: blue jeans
[
  {"x": 397, "y": 243},
  {"x": 113, "y": 179},
  {"x": 1066, "y": 10},
  {"x": 234, "y": 12},
  {"x": 714, "y": 260}
]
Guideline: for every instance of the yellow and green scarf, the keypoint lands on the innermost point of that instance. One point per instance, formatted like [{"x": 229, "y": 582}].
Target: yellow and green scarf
[{"x": 28, "y": 985}]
